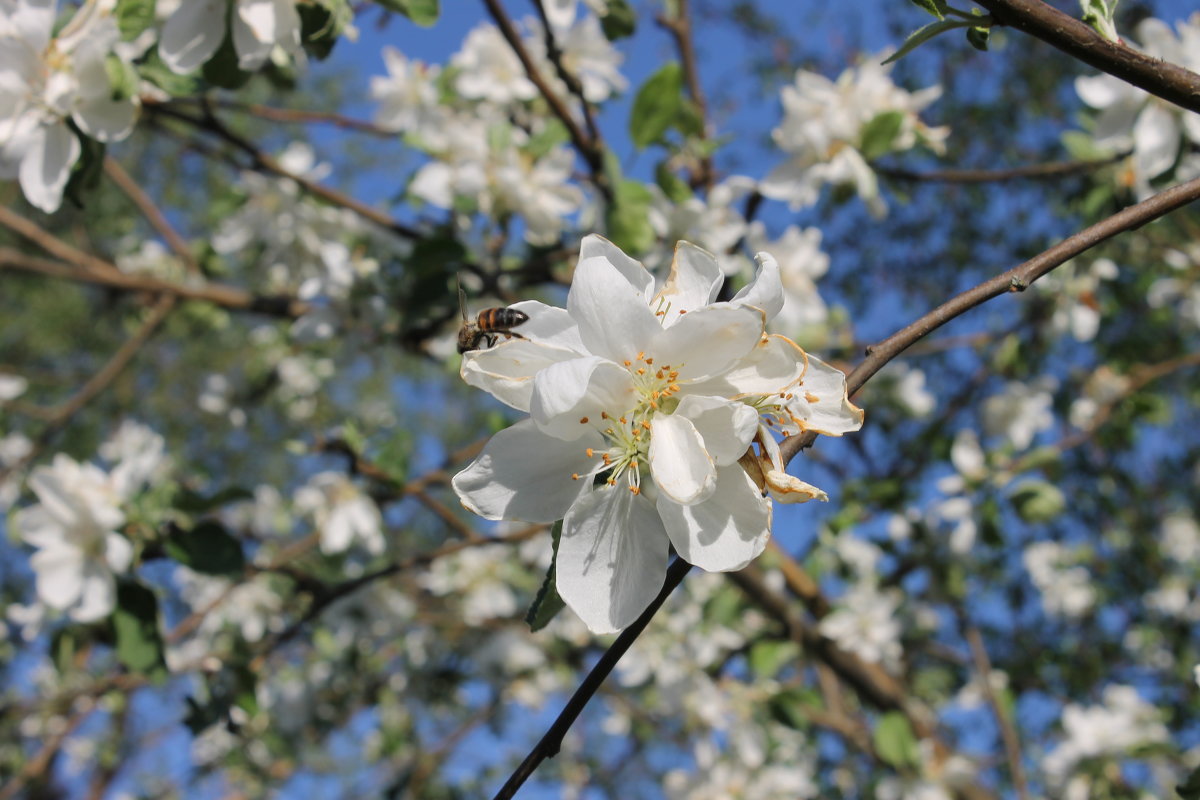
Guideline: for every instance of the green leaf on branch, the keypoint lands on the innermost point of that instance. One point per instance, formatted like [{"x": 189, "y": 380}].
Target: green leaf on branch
[
  {"x": 423, "y": 12},
  {"x": 937, "y": 8},
  {"x": 619, "y": 20},
  {"x": 657, "y": 106},
  {"x": 790, "y": 707},
  {"x": 1038, "y": 501},
  {"x": 154, "y": 70},
  {"x": 195, "y": 503},
  {"x": 547, "y": 603},
  {"x": 223, "y": 70},
  {"x": 133, "y": 17},
  {"x": 767, "y": 658},
  {"x": 207, "y": 548},
  {"x": 627, "y": 218},
  {"x": 321, "y": 25},
  {"x": 1099, "y": 14},
  {"x": 87, "y": 171},
  {"x": 139, "y": 643},
  {"x": 923, "y": 35},
  {"x": 895, "y": 741},
  {"x": 978, "y": 38},
  {"x": 673, "y": 186},
  {"x": 879, "y": 134}
]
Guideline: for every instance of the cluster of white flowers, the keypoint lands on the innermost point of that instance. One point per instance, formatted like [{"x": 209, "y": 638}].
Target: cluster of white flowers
[
  {"x": 1066, "y": 585},
  {"x": 826, "y": 126},
  {"x": 864, "y": 622},
  {"x": 1073, "y": 289},
  {"x": 341, "y": 513},
  {"x": 261, "y": 29},
  {"x": 1182, "y": 288},
  {"x": 1130, "y": 119},
  {"x": 1122, "y": 723},
  {"x": 48, "y": 81},
  {"x": 1019, "y": 413},
  {"x": 643, "y": 409},
  {"x": 478, "y": 156},
  {"x": 74, "y": 525}
]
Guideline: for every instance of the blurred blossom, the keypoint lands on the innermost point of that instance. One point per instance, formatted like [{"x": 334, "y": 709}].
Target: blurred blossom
[
  {"x": 152, "y": 260},
  {"x": 714, "y": 222},
  {"x": 11, "y": 386},
  {"x": 1073, "y": 290},
  {"x": 50, "y": 82},
  {"x": 1132, "y": 119},
  {"x": 1102, "y": 388},
  {"x": 481, "y": 577},
  {"x": 587, "y": 55},
  {"x": 863, "y": 622},
  {"x": 408, "y": 99},
  {"x": 488, "y": 69},
  {"x": 1122, "y": 723},
  {"x": 137, "y": 455},
  {"x": 74, "y": 530},
  {"x": 1018, "y": 413},
  {"x": 14, "y": 449},
  {"x": 801, "y": 264},
  {"x": 252, "y": 606},
  {"x": 823, "y": 129},
  {"x": 261, "y": 29},
  {"x": 1181, "y": 539},
  {"x": 907, "y": 387},
  {"x": 967, "y": 456},
  {"x": 1066, "y": 586},
  {"x": 342, "y": 514}
]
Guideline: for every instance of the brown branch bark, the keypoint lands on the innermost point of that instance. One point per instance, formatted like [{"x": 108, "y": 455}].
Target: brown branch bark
[
  {"x": 680, "y": 27},
  {"x": 1054, "y": 169},
  {"x": 1008, "y": 731},
  {"x": 1075, "y": 38},
  {"x": 151, "y": 212}
]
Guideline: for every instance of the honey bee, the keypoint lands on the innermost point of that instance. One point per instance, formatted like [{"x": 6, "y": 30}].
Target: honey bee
[{"x": 487, "y": 325}]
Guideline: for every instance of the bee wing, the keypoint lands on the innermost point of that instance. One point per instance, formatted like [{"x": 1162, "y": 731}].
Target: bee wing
[{"x": 462, "y": 298}]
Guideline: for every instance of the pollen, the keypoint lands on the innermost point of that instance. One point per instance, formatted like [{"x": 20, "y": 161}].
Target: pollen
[
  {"x": 683, "y": 311},
  {"x": 812, "y": 398},
  {"x": 635, "y": 489},
  {"x": 654, "y": 405},
  {"x": 645, "y": 425},
  {"x": 574, "y": 476},
  {"x": 607, "y": 459},
  {"x": 624, "y": 421},
  {"x": 641, "y": 371},
  {"x": 603, "y": 415},
  {"x": 590, "y": 452},
  {"x": 674, "y": 387},
  {"x": 641, "y": 355},
  {"x": 649, "y": 361},
  {"x": 628, "y": 363},
  {"x": 583, "y": 420}
]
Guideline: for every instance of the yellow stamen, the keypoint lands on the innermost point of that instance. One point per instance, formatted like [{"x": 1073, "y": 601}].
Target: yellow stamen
[
  {"x": 583, "y": 420},
  {"x": 635, "y": 490},
  {"x": 590, "y": 452}
]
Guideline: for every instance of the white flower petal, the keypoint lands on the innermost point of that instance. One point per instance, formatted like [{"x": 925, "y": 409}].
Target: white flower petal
[
  {"x": 549, "y": 325},
  {"x": 524, "y": 474},
  {"x": 192, "y": 34},
  {"x": 118, "y": 552},
  {"x": 825, "y": 408},
  {"x": 709, "y": 341},
  {"x": 786, "y": 488},
  {"x": 506, "y": 371},
  {"x": 97, "y": 596},
  {"x": 726, "y": 426},
  {"x": 597, "y": 246},
  {"x": 105, "y": 119},
  {"x": 569, "y": 397},
  {"x": 1155, "y": 141},
  {"x": 46, "y": 166},
  {"x": 725, "y": 532},
  {"x": 681, "y": 467},
  {"x": 612, "y": 558},
  {"x": 766, "y": 290},
  {"x": 693, "y": 283},
  {"x": 59, "y": 572},
  {"x": 613, "y": 317},
  {"x": 774, "y": 365}
]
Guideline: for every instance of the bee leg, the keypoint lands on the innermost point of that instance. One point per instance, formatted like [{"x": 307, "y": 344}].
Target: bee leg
[
  {"x": 512, "y": 334},
  {"x": 490, "y": 339}
]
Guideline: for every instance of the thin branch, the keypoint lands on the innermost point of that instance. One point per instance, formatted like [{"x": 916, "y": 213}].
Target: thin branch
[
  {"x": 215, "y": 293},
  {"x": 304, "y": 116},
  {"x": 590, "y": 149},
  {"x": 1017, "y": 279},
  {"x": 680, "y": 28},
  {"x": 1053, "y": 169},
  {"x": 52, "y": 244},
  {"x": 1008, "y": 731},
  {"x": 1075, "y": 38},
  {"x": 549, "y": 745},
  {"x": 554, "y": 53},
  {"x": 151, "y": 212}
]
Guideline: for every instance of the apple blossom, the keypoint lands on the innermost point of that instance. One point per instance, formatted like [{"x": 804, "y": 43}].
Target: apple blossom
[
  {"x": 341, "y": 513},
  {"x": 194, "y": 32},
  {"x": 46, "y": 81},
  {"x": 643, "y": 407},
  {"x": 73, "y": 528},
  {"x": 824, "y": 127}
]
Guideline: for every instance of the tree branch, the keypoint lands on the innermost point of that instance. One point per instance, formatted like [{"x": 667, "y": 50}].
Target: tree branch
[{"x": 1079, "y": 40}]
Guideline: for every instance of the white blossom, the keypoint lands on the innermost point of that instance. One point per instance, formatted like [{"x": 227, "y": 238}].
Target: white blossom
[
  {"x": 408, "y": 99},
  {"x": 823, "y": 127},
  {"x": 341, "y": 513},
  {"x": 194, "y": 32},
  {"x": 46, "y": 81},
  {"x": 642, "y": 405},
  {"x": 488, "y": 69},
  {"x": 801, "y": 264},
  {"x": 864, "y": 622},
  {"x": 1123, "y": 722},
  {"x": 1018, "y": 413},
  {"x": 1066, "y": 587},
  {"x": 74, "y": 528}
]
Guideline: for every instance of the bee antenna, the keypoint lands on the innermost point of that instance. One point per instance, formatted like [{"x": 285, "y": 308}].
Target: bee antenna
[{"x": 462, "y": 297}]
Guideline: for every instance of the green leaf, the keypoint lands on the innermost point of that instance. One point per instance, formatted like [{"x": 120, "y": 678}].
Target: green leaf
[
  {"x": 788, "y": 707},
  {"x": 422, "y": 12},
  {"x": 1038, "y": 501},
  {"x": 895, "y": 741},
  {"x": 935, "y": 7},
  {"x": 1190, "y": 788},
  {"x": 551, "y": 136},
  {"x": 627, "y": 218},
  {"x": 395, "y": 455},
  {"x": 135, "y": 625},
  {"x": 657, "y": 105},
  {"x": 767, "y": 658},
  {"x": 923, "y": 35},
  {"x": 222, "y": 69},
  {"x": 87, "y": 171},
  {"x": 195, "y": 503},
  {"x": 133, "y": 17},
  {"x": 63, "y": 647},
  {"x": 122, "y": 77},
  {"x": 673, "y": 186},
  {"x": 619, "y": 20},
  {"x": 978, "y": 38},
  {"x": 321, "y": 25},
  {"x": 207, "y": 548},
  {"x": 547, "y": 603}
]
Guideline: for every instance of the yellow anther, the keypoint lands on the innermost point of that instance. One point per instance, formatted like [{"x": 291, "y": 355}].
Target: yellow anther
[
  {"x": 641, "y": 355},
  {"x": 674, "y": 387},
  {"x": 810, "y": 397},
  {"x": 641, "y": 371},
  {"x": 574, "y": 476},
  {"x": 583, "y": 420},
  {"x": 590, "y": 452},
  {"x": 649, "y": 360},
  {"x": 645, "y": 425},
  {"x": 635, "y": 489},
  {"x": 628, "y": 362},
  {"x": 603, "y": 415}
]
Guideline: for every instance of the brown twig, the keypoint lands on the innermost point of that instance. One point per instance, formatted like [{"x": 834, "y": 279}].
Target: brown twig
[
  {"x": 1055, "y": 169},
  {"x": 151, "y": 212},
  {"x": 52, "y": 244},
  {"x": 680, "y": 28},
  {"x": 554, "y": 53},
  {"x": 1075, "y": 38},
  {"x": 1008, "y": 731},
  {"x": 300, "y": 116},
  {"x": 1017, "y": 279},
  {"x": 590, "y": 149},
  {"x": 215, "y": 293}
]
